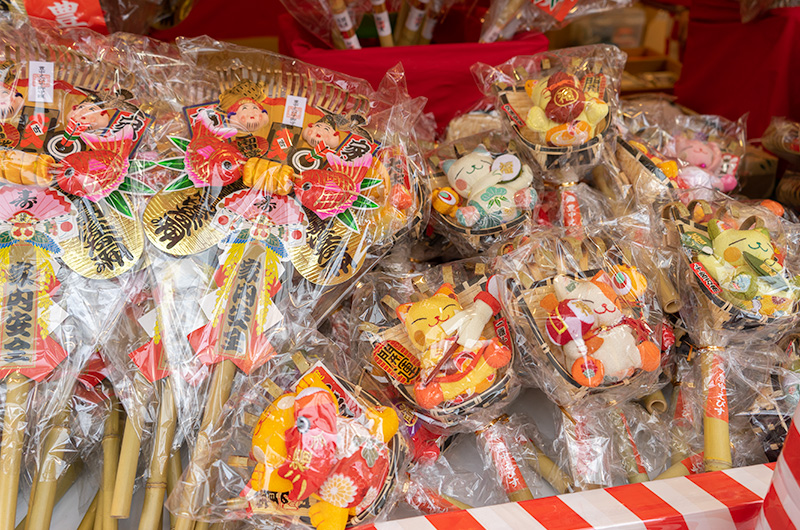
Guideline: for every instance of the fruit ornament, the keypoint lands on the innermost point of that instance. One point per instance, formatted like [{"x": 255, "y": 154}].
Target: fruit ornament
[
  {"x": 565, "y": 111},
  {"x": 322, "y": 449},
  {"x": 599, "y": 342}
]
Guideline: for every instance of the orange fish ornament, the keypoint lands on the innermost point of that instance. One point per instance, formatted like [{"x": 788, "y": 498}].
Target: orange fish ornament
[
  {"x": 332, "y": 191},
  {"x": 210, "y": 159},
  {"x": 95, "y": 173}
]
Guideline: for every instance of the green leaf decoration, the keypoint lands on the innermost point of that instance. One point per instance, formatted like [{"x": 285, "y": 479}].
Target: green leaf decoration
[
  {"x": 180, "y": 143},
  {"x": 117, "y": 200},
  {"x": 364, "y": 203},
  {"x": 137, "y": 166},
  {"x": 368, "y": 184},
  {"x": 178, "y": 163},
  {"x": 347, "y": 219},
  {"x": 181, "y": 183},
  {"x": 135, "y": 186}
]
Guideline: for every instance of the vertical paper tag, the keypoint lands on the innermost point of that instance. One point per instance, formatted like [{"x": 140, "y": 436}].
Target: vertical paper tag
[
  {"x": 382, "y": 23},
  {"x": 415, "y": 16},
  {"x": 41, "y": 82},
  {"x": 427, "y": 29},
  {"x": 295, "y": 111},
  {"x": 504, "y": 463}
]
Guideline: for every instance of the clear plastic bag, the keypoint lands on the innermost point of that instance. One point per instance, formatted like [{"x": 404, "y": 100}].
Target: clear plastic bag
[
  {"x": 71, "y": 125},
  {"x": 782, "y": 138},
  {"x": 483, "y": 190},
  {"x": 295, "y": 430},
  {"x": 711, "y": 149},
  {"x": 738, "y": 283},
  {"x": 561, "y": 103},
  {"x": 439, "y": 338},
  {"x": 586, "y": 310}
]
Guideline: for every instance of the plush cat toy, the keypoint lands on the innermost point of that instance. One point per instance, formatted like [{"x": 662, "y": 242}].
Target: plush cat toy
[
  {"x": 304, "y": 446},
  {"x": 479, "y": 178},
  {"x": 599, "y": 342},
  {"x": 744, "y": 263},
  {"x": 457, "y": 362},
  {"x": 704, "y": 161},
  {"x": 563, "y": 112}
]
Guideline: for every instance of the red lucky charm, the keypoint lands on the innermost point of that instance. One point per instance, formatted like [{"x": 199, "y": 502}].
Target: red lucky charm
[{"x": 304, "y": 444}]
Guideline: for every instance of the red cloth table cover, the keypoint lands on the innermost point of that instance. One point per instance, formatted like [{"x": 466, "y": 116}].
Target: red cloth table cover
[{"x": 440, "y": 72}]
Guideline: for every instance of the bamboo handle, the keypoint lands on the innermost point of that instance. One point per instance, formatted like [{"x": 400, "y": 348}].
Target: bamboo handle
[
  {"x": 110, "y": 461},
  {"x": 17, "y": 388},
  {"x": 87, "y": 523},
  {"x": 65, "y": 482},
  {"x": 162, "y": 446},
  {"x": 126, "y": 471},
  {"x": 716, "y": 430},
  {"x": 40, "y": 511},
  {"x": 667, "y": 294},
  {"x": 549, "y": 471},
  {"x": 220, "y": 390},
  {"x": 655, "y": 402},
  {"x": 174, "y": 472}
]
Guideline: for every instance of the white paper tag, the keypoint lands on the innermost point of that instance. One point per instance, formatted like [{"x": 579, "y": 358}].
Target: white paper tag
[
  {"x": 41, "y": 81},
  {"x": 382, "y": 23},
  {"x": 415, "y": 17},
  {"x": 148, "y": 322},
  {"x": 295, "y": 111},
  {"x": 427, "y": 29}
]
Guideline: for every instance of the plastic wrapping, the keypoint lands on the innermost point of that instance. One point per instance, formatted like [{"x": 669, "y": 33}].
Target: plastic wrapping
[
  {"x": 782, "y": 138},
  {"x": 335, "y": 22},
  {"x": 506, "y": 17},
  {"x": 560, "y": 103},
  {"x": 483, "y": 190},
  {"x": 438, "y": 338},
  {"x": 587, "y": 312},
  {"x": 295, "y": 430},
  {"x": 480, "y": 118},
  {"x": 753, "y": 9},
  {"x": 737, "y": 274},
  {"x": 108, "y": 16},
  {"x": 711, "y": 148},
  {"x": 70, "y": 127}
]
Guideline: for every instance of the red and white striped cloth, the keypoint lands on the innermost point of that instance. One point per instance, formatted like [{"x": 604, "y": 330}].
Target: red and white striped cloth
[
  {"x": 781, "y": 509},
  {"x": 723, "y": 500}
]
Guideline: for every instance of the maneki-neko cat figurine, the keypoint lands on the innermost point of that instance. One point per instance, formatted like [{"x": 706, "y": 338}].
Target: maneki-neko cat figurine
[
  {"x": 323, "y": 454},
  {"x": 447, "y": 352},
  {"x": 600, "y": 343},
  {"x": 590, "y": 312},
  {"x": 738, "y": 260},
  {"x": 455, "y": 360},
  {"x": 483, "y": 190}
]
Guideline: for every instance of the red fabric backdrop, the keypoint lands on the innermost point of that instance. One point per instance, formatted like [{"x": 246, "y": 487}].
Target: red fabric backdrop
[
  {"x": 440, "y": 72},
  {"x": 730, "y": 68}
]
